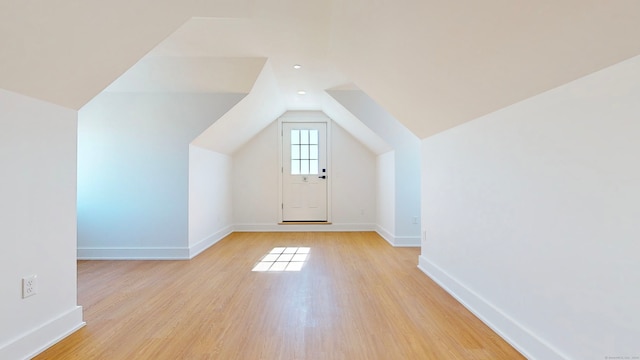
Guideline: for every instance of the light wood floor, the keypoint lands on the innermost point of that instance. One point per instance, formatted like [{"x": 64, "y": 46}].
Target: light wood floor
[{"x": 356, "y": 298}]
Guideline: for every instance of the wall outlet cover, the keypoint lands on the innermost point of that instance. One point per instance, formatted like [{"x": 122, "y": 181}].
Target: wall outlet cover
[{"x": 29, "y": 286}]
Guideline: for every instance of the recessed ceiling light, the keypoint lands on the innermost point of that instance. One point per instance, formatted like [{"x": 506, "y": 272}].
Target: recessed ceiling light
[
  {"x": 297, "y": 66},
  {"x": 301, "y": 92}
]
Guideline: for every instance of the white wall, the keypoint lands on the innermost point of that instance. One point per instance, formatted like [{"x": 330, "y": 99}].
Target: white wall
[
  {"x": 37, "y": 224},
  {"x": 255, "y": 179},
  {"x": 386, "y": 194},
  {"x": 353, "y": 180},
  {"x": 255, "y": 183},
  {"x": 133, "y": 176},
  {"x": 210, "y": 200},
  {"x": 531, "y": 217},
  {"x": 406, "y": 165}
]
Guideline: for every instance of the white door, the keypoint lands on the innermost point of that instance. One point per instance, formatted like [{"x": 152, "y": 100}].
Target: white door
[{"x": 304, "y": 172}]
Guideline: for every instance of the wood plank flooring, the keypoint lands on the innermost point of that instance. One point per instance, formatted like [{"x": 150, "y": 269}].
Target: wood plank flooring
[{"x": 356, "y": 298}]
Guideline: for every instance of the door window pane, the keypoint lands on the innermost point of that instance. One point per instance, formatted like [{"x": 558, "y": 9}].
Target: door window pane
[
  {"x": 305, "y": 152},
  {"x": 295, "y": 136}
]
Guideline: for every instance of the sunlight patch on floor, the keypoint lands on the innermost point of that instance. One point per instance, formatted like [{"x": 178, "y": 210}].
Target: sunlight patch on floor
[{"x": 283, "y": 259}]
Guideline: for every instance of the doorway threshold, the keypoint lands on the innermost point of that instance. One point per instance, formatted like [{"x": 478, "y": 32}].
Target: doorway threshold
[{"x": 305, "y": 223}]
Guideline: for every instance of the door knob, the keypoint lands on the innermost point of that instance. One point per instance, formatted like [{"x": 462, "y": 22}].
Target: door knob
[{"x": 322, "y": 177}]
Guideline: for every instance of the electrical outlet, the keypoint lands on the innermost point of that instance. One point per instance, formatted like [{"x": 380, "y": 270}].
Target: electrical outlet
[
  {"x": 29, "y": 286},
  {"x": 415, "y": 220}
]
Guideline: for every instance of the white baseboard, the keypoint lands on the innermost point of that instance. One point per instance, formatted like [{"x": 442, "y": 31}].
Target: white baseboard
[
  {"x": 303, "y": 228},
  {"x": 407, "y": 241},
  {"x": 207, "y": 242},
  {"x": 385, "y": 235},
  {"x": 131, "y": 253},
  {"x": 179, "y": 253},
  {"x": 521, "y": 338},
  {"x": 39, "y": 339},
  {"x": 398, "y": 241}
]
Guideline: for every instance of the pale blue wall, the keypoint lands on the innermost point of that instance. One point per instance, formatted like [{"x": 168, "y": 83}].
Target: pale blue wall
[{"x": 133, "y": 167}]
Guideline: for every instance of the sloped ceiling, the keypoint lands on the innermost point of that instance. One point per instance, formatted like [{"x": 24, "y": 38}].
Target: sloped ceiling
[
  {"x": 253, "y": 113},
  {"x": 190, "y": 74},
  {"x": 435, "y": 64},
  {"x": 431, "y": 64},
  {"x": 68, "y": 51},
  {"x": 287, "y": 32}
]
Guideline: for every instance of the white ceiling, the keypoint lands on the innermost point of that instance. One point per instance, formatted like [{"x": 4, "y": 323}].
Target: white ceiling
[
  {"x": 432, "y": 64},
  {"x": 286, "y": 32}
]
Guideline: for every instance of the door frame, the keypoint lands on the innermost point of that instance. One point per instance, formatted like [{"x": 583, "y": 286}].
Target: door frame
[{"x": 329, "y": 181}]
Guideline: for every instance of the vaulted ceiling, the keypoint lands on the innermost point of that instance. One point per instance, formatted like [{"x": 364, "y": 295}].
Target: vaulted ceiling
[{"x": 432, "y": 64}]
